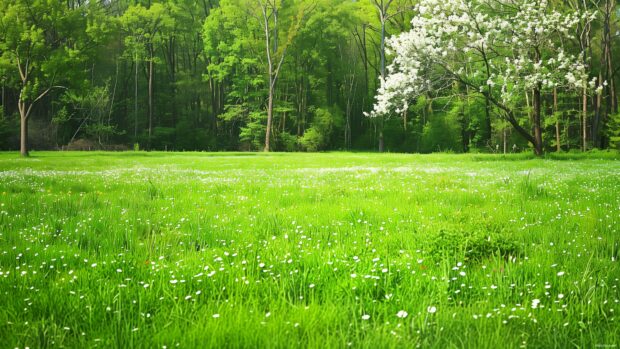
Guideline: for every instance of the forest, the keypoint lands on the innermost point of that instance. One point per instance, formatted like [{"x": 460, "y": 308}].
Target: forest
[{"x": 309, "y": 75}]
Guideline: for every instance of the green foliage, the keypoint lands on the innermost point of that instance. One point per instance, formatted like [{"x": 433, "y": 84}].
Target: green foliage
[
  {"x": 614, "y": 130},
  {"x": 312, "y": 140},
  {"x": 143, "y": 26},
  {"x": 253, "y": 134},
  {"x": 287, "y": 142},
  {"x": 210, "y": 81},
  {"x": 442, "y": 133},
  {"x": 9, "y": 128},
  {"x": 325, "y": 124}
]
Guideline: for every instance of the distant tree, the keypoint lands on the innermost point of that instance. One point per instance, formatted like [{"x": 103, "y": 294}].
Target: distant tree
[
  {"x": 518, "y": 42},
  {"x": 143, "y": 27},
  {"x": 268, "y": 13}
]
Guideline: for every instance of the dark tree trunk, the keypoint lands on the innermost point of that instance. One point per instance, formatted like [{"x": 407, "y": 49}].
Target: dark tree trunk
[
  {"x": 538, "y": 143},
  {"x": 558, "y": 140}
]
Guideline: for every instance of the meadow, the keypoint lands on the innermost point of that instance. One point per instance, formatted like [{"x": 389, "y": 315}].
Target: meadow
[{"x": 335, "y": 250}]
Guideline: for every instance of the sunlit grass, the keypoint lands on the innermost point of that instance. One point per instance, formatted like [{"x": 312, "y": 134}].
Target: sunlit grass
[{"x": 308, "y": 250}]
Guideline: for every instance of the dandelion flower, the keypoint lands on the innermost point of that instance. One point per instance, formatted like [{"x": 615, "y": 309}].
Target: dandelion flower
[{"x": 431, "y": 309}]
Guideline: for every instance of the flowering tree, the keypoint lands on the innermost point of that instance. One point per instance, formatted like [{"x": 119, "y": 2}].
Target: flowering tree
[{"x": 502, "y": 49}]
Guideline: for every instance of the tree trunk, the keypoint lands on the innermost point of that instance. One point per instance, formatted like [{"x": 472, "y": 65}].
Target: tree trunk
[
  {"x": 23, "y": 144},
  {"x": 269, "y": 120},
  {"x": 598, "y": 115},
  {"x": 584, "y": 129},
  {"x": 557, "y": 120},
  {"x": 381, "y": 141},
  {"x": 538, "y": 144}
]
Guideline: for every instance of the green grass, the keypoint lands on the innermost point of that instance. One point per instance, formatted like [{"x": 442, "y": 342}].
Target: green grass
[{"x": 293, "y": 250}]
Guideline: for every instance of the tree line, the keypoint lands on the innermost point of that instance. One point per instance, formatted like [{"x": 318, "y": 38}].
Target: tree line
[{"x": 295, "y": 75}]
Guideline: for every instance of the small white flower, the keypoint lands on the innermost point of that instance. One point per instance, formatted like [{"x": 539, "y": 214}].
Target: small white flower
[
  {"x": 560, "y": 273},
  {"x": 365, "y": 317},
  {"x": 431, "y": 309},
  {"x": 402, "y": 314},
  {"x": 215, "y": 316},
  {"x": 560, "y": 296}
]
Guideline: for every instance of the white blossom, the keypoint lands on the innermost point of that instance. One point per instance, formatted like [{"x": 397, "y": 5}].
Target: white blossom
[{"x": 519, "y": 41}]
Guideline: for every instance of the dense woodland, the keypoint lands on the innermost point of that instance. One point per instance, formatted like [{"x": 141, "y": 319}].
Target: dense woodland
[{"x": 217, "y": 75}]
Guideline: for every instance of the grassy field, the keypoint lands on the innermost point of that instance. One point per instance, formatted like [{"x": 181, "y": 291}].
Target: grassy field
[{"x": 309, "y": 250}]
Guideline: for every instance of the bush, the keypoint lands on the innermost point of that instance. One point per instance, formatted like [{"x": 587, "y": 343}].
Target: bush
[
  {"x": 326, "y": 124},
  {"x": 614, "y": 131},
  {"x": 253, "y": 134},
  {"x": 312, "y": 140},
  {"x": 474, "y": 246},
  {"x": 83, "y": 145},
  {"x": 287, "y": 142},
  {"x": 89, "y": 145}
]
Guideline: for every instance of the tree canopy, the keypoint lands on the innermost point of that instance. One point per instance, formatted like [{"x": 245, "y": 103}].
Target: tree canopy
[{"x": 284, "y": 75}]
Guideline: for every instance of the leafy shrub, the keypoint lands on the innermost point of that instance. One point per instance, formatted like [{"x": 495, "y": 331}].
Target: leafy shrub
[
  {"x": 287, "y": 142},
  {"x": 614, "y": 131},
  {"x": 326, "y": 124},
  {"x": 83, "y": 145},
  {"x": 312, "y": 140},
  {"x": 253, "y": 133},
  {"x": 474, "y": 246}
]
